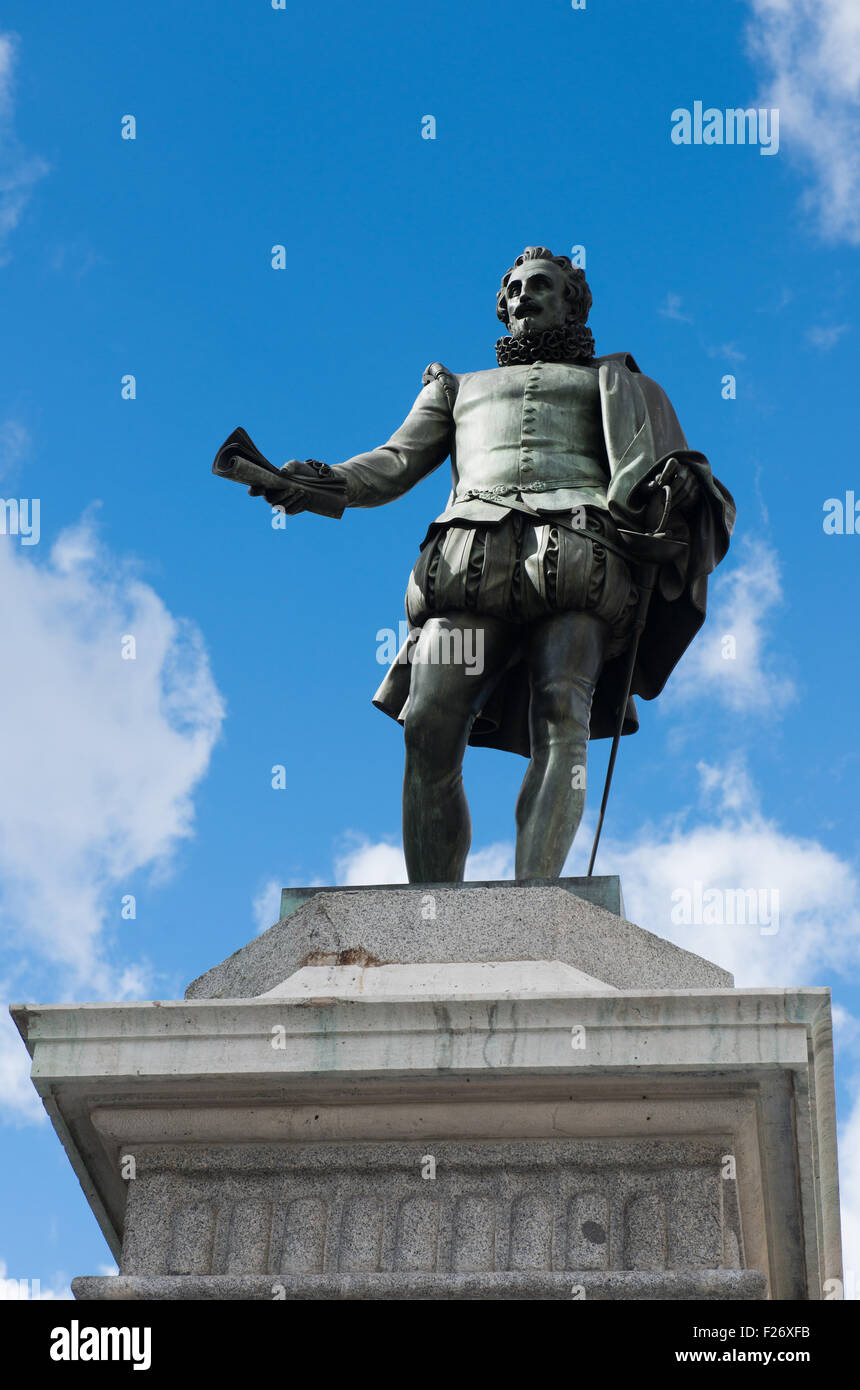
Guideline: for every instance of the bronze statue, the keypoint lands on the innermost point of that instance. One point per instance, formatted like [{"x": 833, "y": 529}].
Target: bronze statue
[{"x": 573, "y": 554}]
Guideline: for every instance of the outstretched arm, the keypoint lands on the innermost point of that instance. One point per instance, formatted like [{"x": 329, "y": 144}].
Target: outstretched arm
[{"x": 421, "y": 443}]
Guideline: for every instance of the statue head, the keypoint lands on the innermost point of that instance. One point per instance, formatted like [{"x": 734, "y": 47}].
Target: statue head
[{"x": 542, "y": 291}]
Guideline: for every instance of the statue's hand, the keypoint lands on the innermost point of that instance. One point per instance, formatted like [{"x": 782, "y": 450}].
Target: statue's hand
[
  {"x": 684, "y": 485},
  {"x": 292, "y": 497}
]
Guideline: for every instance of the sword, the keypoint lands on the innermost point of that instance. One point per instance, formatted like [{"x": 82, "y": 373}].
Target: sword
[{"x": 653, "y": 549}]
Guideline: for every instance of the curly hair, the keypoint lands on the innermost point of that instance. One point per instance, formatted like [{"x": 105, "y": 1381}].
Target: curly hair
[{"x": 576, "y": 290}]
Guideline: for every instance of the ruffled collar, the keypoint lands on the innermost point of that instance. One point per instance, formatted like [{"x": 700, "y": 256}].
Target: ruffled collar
[{"x": 572, "y": 342}]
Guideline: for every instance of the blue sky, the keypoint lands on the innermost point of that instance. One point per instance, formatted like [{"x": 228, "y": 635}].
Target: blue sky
[{"x": 255, "y": 647}]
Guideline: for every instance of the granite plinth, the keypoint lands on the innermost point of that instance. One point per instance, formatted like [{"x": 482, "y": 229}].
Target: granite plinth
[
  {"x": 494, "y": 1126},
  {"x": 460, "y": 924}
]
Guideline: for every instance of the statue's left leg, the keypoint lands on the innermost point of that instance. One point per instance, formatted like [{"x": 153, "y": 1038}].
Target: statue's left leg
[{"x": 565, "y": 655}]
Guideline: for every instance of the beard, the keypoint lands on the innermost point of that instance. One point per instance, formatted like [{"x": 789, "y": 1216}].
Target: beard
[{"x": 571, "y": 342}]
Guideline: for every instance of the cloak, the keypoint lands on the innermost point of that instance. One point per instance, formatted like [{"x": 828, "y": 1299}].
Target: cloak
[{"x": 641, "y": 431}]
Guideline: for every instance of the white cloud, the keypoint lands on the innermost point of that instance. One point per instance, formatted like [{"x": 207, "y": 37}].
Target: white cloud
[
  {"x": 361, "y": 861},
  {"x": 266, "y": 905},
  {"x": 826, "y": 337},
  {"x": 846, "y": 1028},
  {"x": 101, "y": 756},
  {"x": 16, "y": 186},
  {"x": 730, "y": 351},
  {"x": 7, "y": 65},
  {"x": 672, "y": 308},
  {"x": 742, "y": 598},
  {"x": 18, "y": 171},
  {"x": 810, "y": 53},
  {"x": 731, "y": 783},
  {"x": 493, "y": 862},
  {"x": 76, "y": 547},
  {"x": 18, "y": 1097},
  {"x": 806, "y": 890}
]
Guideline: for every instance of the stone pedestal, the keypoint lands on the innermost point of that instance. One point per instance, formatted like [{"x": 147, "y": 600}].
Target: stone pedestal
[{"x": 468, "y": 1092}]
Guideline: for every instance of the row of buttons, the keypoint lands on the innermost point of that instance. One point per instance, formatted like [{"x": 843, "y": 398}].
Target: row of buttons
[{"x": 526, "y": 464}]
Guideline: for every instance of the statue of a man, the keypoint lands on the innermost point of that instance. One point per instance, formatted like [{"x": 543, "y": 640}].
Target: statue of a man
[{"x": 554, "y": 457}]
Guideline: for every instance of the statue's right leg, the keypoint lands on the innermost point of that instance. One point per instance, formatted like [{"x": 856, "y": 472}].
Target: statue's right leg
[{"x": 457, "y": 660}]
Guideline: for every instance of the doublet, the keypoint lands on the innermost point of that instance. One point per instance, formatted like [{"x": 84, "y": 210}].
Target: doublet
[
  {"x": 526, "y": 437},
  {"x": 530, "y": 437}
]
